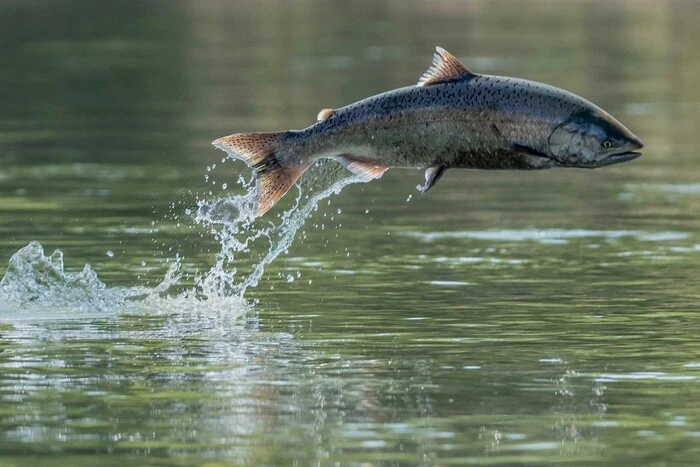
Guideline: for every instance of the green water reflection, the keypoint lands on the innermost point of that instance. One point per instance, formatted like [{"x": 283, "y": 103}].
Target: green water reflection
[{"x": 505, "y": 318}]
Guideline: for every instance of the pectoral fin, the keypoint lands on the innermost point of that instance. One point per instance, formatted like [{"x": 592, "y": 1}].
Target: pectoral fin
[
  {"x": 432, "y": 175},
  {"x": 529, "y": 151}
]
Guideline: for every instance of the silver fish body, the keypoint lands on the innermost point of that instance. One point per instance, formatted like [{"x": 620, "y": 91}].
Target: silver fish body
[
  {"x": 479, "y": 122},
  {"x": 453, "y": 118}
]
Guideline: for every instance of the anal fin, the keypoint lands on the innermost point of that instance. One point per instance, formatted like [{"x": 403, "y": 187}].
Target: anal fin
[
  {"x": 432, "y": 175},
  {"x": 366, "y": 170}
]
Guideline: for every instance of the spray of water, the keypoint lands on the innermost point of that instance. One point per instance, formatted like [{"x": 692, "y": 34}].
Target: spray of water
[
  {"x": 36, "y": 280},
  {"x": 231, "y": 221}
]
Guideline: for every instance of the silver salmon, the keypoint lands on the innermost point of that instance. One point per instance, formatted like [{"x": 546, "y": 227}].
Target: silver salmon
[{"x": 453, "y": 118}]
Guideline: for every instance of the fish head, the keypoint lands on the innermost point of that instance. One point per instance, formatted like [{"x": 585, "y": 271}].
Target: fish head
[{"x": 592, "y": 138}]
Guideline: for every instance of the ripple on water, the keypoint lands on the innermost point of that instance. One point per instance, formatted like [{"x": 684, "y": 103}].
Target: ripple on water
[
  {"x": 674, "y": 188},
  {"x": 449, "y": 283},
  {"x": 476, "y": 260},
  {"x": 642, "y": 375},
  {"x": 547, "y": 236}
]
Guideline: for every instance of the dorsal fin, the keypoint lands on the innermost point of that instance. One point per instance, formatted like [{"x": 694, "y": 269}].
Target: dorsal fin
[{"x": 445, "y": 67}]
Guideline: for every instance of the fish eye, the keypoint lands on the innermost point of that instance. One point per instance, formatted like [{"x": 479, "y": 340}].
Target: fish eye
[{"x": 607, "y": 144}]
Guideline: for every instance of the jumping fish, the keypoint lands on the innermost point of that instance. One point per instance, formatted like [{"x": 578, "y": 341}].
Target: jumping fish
[{"x": 453, "y": 118}]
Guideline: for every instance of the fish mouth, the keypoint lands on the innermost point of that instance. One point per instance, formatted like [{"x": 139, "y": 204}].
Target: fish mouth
[
  {"x": 610, "y": 159},
  {"x": 619, "y": 158}
]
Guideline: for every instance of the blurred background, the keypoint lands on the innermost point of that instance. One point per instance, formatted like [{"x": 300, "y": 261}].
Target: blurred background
[{"x": 506, "y": 317}]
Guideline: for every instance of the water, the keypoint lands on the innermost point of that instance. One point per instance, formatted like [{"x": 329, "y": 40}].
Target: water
[{"x": 503, "y": 318}]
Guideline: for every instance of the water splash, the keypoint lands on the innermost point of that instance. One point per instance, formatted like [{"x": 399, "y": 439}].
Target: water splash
[
  {"x": 34, "y": 280},
  {"x": 232, "y": 222},
  {"x": 32, "y": 277}
]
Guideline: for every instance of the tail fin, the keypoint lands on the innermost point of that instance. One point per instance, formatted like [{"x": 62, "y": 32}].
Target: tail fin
[{"x": 258, "y": 150}]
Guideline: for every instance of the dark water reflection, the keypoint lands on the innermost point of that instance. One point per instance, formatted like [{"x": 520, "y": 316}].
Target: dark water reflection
[{"x": 505, "y": 318}]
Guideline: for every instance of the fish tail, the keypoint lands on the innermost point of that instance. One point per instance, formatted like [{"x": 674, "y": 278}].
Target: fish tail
[{"x": 260, "y": 151}]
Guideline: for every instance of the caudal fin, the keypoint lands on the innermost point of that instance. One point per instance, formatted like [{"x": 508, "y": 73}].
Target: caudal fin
[{"x": 258, "y": 150}]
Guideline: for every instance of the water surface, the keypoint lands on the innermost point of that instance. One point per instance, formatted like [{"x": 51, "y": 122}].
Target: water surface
[{"x": 505, "y": 318}]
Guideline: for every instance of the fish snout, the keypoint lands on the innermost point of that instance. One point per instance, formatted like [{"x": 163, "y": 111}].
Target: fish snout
[
  {"x": 637, "y": 142},
  {"x": 632, "y": 141},
  {"x": 628, "y": 152}
]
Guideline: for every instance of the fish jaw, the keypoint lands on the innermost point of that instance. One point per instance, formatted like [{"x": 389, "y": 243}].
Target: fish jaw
[
  {"x": 610, "y": 159},
  {"x": 618, "y": 158}
]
